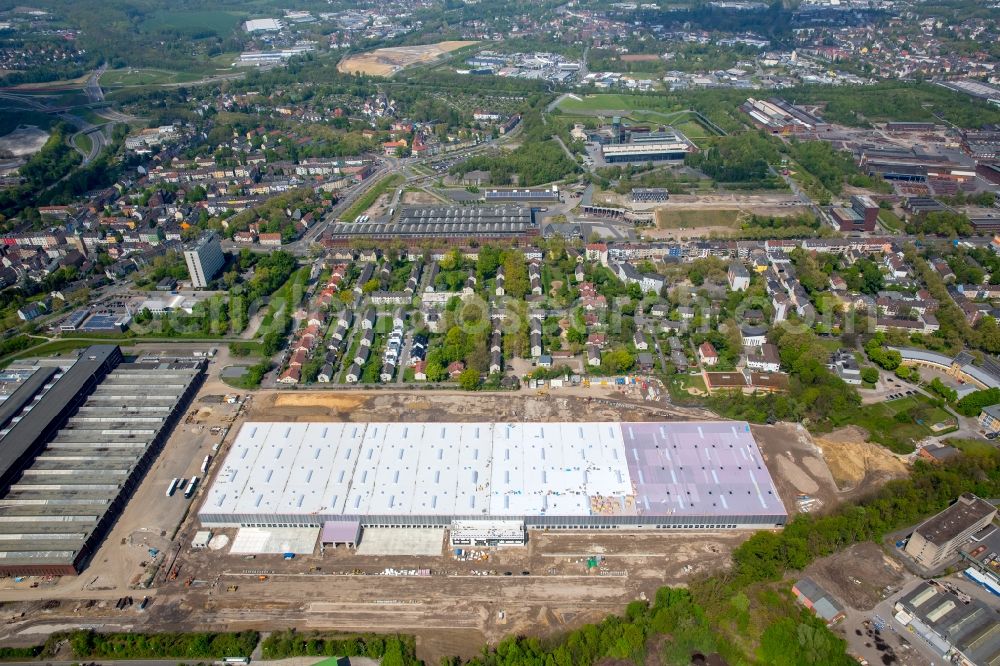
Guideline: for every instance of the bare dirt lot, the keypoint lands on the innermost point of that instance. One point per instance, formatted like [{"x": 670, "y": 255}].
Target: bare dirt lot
[
  {"x": 700, "y": 215},
  {"x": 856, "y": 463},
  {"x": 420, "y": 197},
  {"x": 456, "y": 406},
  {"x": 388, "y": 61},
  {"x": 858, "y": 576},
  {"x": 797, "y": 466},
  {"x": 542, "y": 588}
]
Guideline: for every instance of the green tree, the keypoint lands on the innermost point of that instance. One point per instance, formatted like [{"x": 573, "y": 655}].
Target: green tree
[
  {"x": 469, "y": 379},
  {"x": 617, "y": 361}
]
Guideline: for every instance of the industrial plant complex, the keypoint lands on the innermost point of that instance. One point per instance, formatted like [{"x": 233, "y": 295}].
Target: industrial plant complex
[
  {"x": 449, "y": 223},
  {"x": 76, "y": 437}
]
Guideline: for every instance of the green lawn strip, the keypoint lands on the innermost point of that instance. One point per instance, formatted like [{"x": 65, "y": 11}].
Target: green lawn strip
[
  {"x": 369, "y": 197},
  {"x": 971, "y": 446},
  {"x": 899, "y": 424}
]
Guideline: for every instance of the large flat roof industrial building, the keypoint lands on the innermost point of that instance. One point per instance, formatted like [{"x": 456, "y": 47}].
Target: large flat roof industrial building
[
  {"x": 707, "y": 475},
  {"x": 452, "y": 223},
  {"x": 73, "y": 448}
]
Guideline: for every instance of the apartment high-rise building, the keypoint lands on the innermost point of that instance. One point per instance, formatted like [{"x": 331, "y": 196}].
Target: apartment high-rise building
[{"x": 204, "y": 260}]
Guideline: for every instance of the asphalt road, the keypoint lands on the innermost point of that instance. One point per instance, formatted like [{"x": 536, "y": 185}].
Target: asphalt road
[
  {"x": 386, "y": 166},
  {"x": 93, "y": 87},
  {"x": 96, "y": 133}
]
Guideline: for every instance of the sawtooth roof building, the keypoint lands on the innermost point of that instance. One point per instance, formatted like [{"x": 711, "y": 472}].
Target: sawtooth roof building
[
  {"x": 76, "y": 437},
  {"x": 458, "y": 224},
  {"x": 547, "y": 475}
]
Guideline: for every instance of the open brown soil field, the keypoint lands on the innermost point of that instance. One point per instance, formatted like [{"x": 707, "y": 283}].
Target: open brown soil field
[
  {"x": 388, "y": 61},
  {"x": 856, "y": 463},
  {"x": 797, "y": 466},
  {"x": 859, "y": 575}
]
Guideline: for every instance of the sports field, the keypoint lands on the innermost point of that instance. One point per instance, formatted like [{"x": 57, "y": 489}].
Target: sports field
[
  {"x": 195, "y": 23},
  {"x": 613, "y": 102}
]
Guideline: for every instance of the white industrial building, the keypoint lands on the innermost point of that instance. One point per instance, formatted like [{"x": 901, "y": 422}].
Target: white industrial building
[
  {"x": 705, "y": 475},
  {"x": 263, "y": 25}
]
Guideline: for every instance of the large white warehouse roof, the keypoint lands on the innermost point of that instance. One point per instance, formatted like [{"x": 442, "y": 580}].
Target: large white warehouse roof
[{"x": 305, "y": 472}]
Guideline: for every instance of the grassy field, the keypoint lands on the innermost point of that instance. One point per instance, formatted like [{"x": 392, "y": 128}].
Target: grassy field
[
  {"x": 117, "y": 78},
  {"x": 899, "y": 424},
  {"x": 251, "y": 347},
  {"x": 194, "y": 22},
  {"x": 681, "y": 382},
  {"x": 53, "y": 348},
  {"x": 890, "y": 220},
  {"x": 369, "y": 197},
  {"x": 691, "y": 218},
  {"x": 973, "y": 446},
  {"x": 90, "y": 116},
  {"x": 612, "y": 102},
  {"x": 83, "y": 142},
  {"x": 692, "y": 128}
]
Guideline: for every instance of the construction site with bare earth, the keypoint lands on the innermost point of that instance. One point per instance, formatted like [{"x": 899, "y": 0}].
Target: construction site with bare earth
[
  {"x": 388, "y": 61},
  {"x": 340, "y": 561}
]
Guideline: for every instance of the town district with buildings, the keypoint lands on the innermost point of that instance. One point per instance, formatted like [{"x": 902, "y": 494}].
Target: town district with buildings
[{"x": 483, "y": 333}]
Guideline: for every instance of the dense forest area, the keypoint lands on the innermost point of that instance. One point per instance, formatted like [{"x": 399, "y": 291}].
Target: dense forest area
[
  {"x": 537, "y": 161},
  {"x": 139, "y": 33},
  {"x": 742, "y": 158},
  {"x": 892, "y": 100},
  {"x": 43, "y": 170}
]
